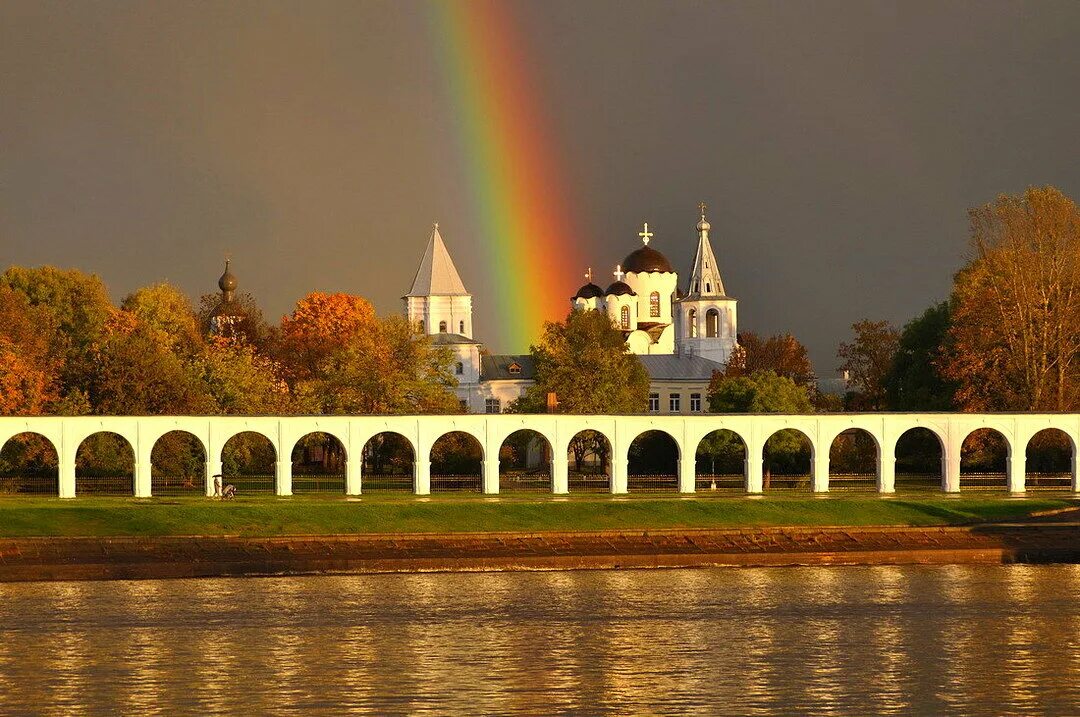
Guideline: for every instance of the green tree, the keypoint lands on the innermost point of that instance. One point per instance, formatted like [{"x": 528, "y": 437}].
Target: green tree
[
  {"x": 389, "y": 369},
  {"x": 867, "y": 360},
  {"x": 164, "y": 308},
  {"x": 135, "y": 374},
  {"x": 584, "y": 361},
  {"x": 80, "y": 308},
  {"x": 760, "y": 392},
  {"x": 240, "y": 380},
  {"x": 914, "y": 381}
]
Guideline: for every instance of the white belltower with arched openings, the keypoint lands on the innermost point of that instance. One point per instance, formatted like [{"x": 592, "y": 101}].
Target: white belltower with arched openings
[{"x": 705, "y": 319}]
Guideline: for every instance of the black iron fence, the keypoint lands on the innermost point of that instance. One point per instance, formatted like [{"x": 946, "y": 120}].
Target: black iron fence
[
  {"x": 386, "y": 482},
  {"x": 538, "y": 481},
  {"x": 104, "y": 485},
  {"x": 720, "y": 483},
  {"x": 660, "y": 483},
  {"x": 589, "y": 482},
  {"x": 457, "y": 484},
  {"x": 40, "y": 484},
  {"x": 318, "y": 483}
]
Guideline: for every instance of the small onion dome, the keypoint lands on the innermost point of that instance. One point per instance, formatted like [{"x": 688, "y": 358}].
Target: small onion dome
[
  {"x": 589, "y": 291},
  {"x": 703, "y": 225},
  {"x": 646, "y": 259},
  {"x": 620, "y": 288},
  {"x": 227, "y": 282}
]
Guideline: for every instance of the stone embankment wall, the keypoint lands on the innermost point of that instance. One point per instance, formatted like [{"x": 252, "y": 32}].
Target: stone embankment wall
[{"x": 23, "y": 559}]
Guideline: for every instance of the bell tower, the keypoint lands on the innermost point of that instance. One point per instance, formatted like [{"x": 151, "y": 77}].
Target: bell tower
[{"x": 705, "y": 321}]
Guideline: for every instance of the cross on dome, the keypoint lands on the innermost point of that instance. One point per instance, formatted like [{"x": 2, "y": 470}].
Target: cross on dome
[
  {"x": 619, "y": 273},
  {"x": 435, "y": 226},
  {"x": 588, "y": 275},
  {"x": 702, "y": 207},
  {"x": 645, "y": 234}
]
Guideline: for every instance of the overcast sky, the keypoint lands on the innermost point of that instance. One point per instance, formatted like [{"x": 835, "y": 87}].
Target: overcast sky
[{"x": 837, "y": 144}]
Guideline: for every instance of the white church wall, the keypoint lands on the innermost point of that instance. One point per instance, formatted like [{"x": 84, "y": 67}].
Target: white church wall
[
  {"x": 645, "y": 284},
  {"x": 455, "y": 311}
]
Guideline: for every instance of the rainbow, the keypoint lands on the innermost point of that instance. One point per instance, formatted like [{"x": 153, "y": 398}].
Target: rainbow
[{"x": 529, "y": 235}]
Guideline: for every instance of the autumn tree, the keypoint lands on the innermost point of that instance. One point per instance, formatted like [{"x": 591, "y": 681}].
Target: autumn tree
[
  {"x": 783, "y": 354},
  {"x": 320, "y": 326},
  {"x": 914, "y": 381},
  {"x": 241, "y": 380},
  {"x": 866, "y": 361},
  {"x": 29, "y": 356},
  {"x": 136, "y": 373},
  {"x": 251, "y": 326},
  {"x": 386, "y": 368},
  {"x": 1016, "y": 307},
  {"x": 79, "y": 305}
]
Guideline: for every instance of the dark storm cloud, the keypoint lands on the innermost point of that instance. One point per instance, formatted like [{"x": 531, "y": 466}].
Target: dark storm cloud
[{"x": 837, "y": 144}]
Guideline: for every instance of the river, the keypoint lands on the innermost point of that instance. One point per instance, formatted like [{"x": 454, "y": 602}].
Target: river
[{"x": 987, "y": 640}]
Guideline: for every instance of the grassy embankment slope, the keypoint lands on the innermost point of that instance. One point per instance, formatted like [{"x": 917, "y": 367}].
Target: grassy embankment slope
[{"x": 268, "y": 516}]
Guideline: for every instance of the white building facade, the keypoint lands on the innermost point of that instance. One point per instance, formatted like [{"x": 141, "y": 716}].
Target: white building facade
[{"x": 693, "y": 332}]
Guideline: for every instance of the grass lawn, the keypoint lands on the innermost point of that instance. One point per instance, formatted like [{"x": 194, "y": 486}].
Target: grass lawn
[{"x": 262, "y": 516}]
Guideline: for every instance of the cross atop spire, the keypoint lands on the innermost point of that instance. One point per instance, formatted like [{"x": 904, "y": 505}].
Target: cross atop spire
[
  {"x": 619, "y": 273},
  {"x": 588, "y": 275},
  {"x": 645, "y": 234},
  {"x": 702, "y": 206}
]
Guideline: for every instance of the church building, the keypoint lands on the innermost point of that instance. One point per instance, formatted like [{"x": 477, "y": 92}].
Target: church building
[{"x": 680, "y": 337}]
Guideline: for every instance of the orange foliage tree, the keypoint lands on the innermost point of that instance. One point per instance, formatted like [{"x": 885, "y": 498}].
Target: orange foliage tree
[
  {"x": 319, "y": 326},
  {"x": 1016, "y": 307}
]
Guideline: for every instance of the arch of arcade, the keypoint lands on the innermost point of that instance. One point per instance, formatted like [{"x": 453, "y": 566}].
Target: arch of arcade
[{"x": 283, "y": 432}]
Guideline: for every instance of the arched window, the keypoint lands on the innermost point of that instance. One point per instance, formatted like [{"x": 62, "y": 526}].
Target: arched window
[
  {"x": 691, "y": 323},
  {"x": 461, "y": 327},
  {"x": 708, "y": 287},
  {"x": 459, "y": 368},
  {"x": 654, "y": 304},
  {"x": 442, "y": 327},
  {"x": 712, "y": 323},
  {"x": 624, "y": 317}
]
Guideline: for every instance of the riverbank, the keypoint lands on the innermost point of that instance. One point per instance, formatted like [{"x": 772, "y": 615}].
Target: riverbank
[
  {"x": 270, "y": 516},
  {"x": 92, "y": 539},
  {"x": 35, "y": 559}
]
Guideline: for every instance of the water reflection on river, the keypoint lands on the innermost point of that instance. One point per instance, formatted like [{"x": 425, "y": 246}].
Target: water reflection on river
[{"x": 874, "y": 640}]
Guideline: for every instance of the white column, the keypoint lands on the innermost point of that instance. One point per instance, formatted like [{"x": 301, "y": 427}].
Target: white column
[
  {"x": 951, "y": 474},
  {"x": 67, "y": 478},
  {"x": 886, "y": 474},
  {"x": 283, "y": 477},
  {"x": 1075, "y": 473},
  {"x": 353, "y": 467},
  {"x": 687, "y": 474},
  {"x": 560, "y": 474},
  {"x": 618, "y": 475},
  {"x": 491, "y": 476},
  {"x": 422, "y": 477},
  {"x": 142, "y": 479},
  {"x": 819, "y": 480},
  {"x": 754, "y": 471},
  {"x": 1015, "y": 466},
  {"x": 213, "y": 468}
]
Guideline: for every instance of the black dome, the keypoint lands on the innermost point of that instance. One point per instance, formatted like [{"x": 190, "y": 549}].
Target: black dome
[
  {"x": 620, "y": 288},
  {"x": 227, "y": 282},
  {"x": 589, "y": 291},
  {"x": 646, "y": 259}
]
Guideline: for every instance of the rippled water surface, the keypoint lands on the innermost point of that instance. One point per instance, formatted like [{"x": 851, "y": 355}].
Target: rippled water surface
[{"x": 875, "y": 640}]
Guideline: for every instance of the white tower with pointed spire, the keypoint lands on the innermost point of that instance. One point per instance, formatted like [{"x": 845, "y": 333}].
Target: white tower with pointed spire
[
  {"x": 705, "y": 319},
  {"x": 438, "y": 303}
]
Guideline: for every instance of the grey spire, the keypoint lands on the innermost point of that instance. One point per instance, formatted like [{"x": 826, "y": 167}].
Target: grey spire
[
  {"x": 705, "y": 274},
  {"x": 437, "y": 275}
]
